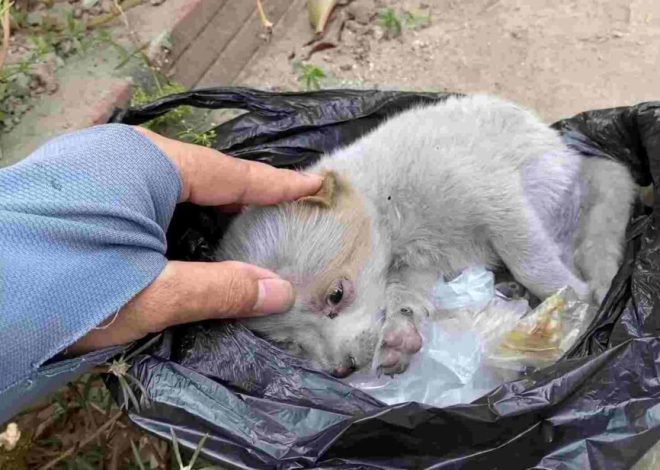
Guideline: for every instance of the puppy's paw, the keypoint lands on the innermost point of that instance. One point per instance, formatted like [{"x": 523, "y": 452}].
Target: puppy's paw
[
  {"x": 400, "y": 340},
  {"x": 393, "y": 362}
]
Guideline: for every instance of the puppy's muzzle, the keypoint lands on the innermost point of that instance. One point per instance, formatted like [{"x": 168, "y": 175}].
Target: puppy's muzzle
[{"x": 346, "y": 369}]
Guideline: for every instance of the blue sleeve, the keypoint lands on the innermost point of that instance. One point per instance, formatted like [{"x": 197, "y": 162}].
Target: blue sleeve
[{"x": 82, "y": 231}]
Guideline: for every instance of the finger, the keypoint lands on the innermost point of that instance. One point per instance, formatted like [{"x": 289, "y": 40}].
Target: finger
[
  {"x": 212, "y": 178},
  {"x": 249, "y": 182},
  {"x": 188, "y": 292}
]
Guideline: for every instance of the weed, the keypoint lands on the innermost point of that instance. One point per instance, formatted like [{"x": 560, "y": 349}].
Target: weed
[
  {"x": 177, "y": 454},
  {"x": 43, "y": 44},
  {"x": 394, "y": 25},
  {"x": 310, "y": 75},
  {"x": 414, "y": 21},
  {"x": 175, "y": 123},
  {"x": 161, "y": 124},
  {"x": 4, "y": 6},
  {"x": 390, "y": 22},
  {"x": 18, "y": 18},
  {"x": 204, "y": 138}
]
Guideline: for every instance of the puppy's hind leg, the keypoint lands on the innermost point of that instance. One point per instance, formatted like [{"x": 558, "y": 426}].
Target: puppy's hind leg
[
  {"x": 611, "y": 192},
  {"x": 530, "y": 253}
]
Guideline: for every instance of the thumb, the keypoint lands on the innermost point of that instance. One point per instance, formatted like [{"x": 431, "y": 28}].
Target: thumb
[
  {"x": 187, "y": 292},
  {"x": 230, "y": 289},
  {"x": 238, "y": 289}
]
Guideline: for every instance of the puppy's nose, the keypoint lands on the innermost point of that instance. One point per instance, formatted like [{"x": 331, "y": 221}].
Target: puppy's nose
[
  {"x": 342, "y": 372},
  {"x": 345, "y": 369}
]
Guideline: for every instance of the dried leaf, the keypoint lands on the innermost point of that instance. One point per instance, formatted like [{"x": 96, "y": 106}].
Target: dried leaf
[
  {"x": 10, "y": 437},
  {"x": 319, "y": 13}
]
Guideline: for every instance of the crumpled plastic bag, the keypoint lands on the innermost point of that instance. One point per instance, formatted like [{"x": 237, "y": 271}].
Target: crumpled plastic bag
[
  {"x": 478, "y": 340},
  {"x": 452, "y": 365},
  {"x": 597, "y": 408}
]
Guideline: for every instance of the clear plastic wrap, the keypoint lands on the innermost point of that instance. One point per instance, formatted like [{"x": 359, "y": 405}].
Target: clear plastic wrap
[
  {"x": 472, "y": 289},
  {"x": 479, "y": 340},
  {"x": 543, "y": 336},
  {"x": 450, "y": 367}
]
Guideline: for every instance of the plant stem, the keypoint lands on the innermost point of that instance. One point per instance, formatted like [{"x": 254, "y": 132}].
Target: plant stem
[
  {"x": 127, "y": 5},
  {"x": 71, "y": 450},
  {"x": 6, "y": 32}
]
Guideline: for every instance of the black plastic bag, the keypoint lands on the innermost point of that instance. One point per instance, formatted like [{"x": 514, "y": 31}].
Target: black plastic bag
[{"x": 598, "y": 408}]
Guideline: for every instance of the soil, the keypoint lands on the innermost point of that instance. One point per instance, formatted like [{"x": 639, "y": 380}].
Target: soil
[{"x": 558, "y": 57}]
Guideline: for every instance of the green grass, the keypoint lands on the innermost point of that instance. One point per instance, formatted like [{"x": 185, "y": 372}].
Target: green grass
[
  {"x": 310, "y": 75},
  {"x": 394, "y": 24},
  {"x": 390, "y": 21}
]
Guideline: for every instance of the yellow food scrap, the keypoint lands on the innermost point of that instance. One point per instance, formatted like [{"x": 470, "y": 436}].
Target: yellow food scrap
[{"x": 540, "y": 333}]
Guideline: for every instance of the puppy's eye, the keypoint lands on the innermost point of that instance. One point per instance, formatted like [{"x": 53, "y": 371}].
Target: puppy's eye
[
  {"x": 337, "y": 297},
  {"x": 336, "y": 294}
]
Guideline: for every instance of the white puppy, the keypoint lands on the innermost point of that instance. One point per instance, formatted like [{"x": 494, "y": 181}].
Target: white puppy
[{"x": 469, "y": 181}]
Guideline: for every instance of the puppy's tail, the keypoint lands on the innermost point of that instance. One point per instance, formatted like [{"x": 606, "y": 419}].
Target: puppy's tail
[{"x": 606, "y": 210}]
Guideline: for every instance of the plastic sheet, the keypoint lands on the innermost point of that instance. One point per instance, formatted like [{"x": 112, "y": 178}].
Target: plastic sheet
[
  {"x": 598, "y": 408},
  {"x": 477, "y": 341},
  {"x": 541, "y": 337},
  {"x": 452, "y": 367},
  {"x": 472, "y": 289}
]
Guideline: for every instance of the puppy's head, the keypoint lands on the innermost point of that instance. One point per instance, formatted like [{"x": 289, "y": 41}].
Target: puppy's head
[{"x": 327, "y": 247}]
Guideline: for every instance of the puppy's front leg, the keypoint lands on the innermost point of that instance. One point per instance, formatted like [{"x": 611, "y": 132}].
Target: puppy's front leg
[{"x": 408, "y": 302}]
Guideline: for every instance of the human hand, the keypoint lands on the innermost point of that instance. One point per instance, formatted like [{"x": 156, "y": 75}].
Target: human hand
[{"x": 187, "y": 291}]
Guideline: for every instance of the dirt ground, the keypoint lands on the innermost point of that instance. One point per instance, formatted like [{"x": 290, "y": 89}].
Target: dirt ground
[{"x": 558, "y": 57}]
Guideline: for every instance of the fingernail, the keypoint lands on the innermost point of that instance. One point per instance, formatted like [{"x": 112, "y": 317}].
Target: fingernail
[
  {"x": 312, "y": 176},
  {"x": 275, "y": 296}
]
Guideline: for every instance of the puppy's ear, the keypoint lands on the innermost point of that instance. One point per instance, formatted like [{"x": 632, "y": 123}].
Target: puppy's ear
[{"x": 326, "y": 196}]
